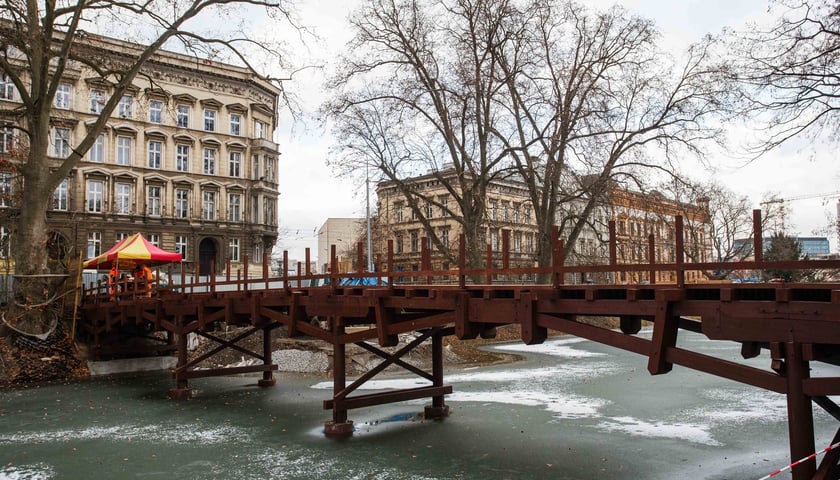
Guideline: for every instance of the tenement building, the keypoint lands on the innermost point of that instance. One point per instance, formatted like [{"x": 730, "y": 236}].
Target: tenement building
[
  {"x": 187, "y": 159},
  {"x": 507, "y": 208},
  {"x": 636, "y": 215}
]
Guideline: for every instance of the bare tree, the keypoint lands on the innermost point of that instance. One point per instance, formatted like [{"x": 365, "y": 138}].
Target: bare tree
[
  {"x": 42, "y": 41},
  {"x": 593, "y": 102},
  {"x": 791, "y": 71},
  {"x": 415, "y": 96},
  {"x": 470, "y": 91},
  {"x": 728, "y": 225}
]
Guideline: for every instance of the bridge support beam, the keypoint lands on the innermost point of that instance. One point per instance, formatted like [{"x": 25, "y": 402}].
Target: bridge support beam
[
  {"x": 339, "y": 426},
  {"x": 342, "y": 401},
  {"x": 268, "y": 375},
  {"x": 182, "y": 389},
  {"x": 438, "y": 409},
  {"x": 800, "y": 412}
]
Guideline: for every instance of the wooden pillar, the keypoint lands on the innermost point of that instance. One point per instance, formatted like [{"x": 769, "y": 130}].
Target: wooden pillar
[
  {"x": 800, "y": 412},
  {"x": 438, "y": 409},
  {"x": 182, "y": 389},
  {"x": 268, "y": 375},
  {"x": 339, "y": 426}
]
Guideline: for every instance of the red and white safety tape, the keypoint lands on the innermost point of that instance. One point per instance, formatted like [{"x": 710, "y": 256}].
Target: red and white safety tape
[{"x": 802, "y": 460}]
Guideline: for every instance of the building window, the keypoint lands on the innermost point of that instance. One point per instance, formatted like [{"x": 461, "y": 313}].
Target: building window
[
  {"x": 209, "y": 161},
  {"x": 124, "y": 107},
  {"x": 5, "y": 190},
  {"x": 155, "y": 111},
  {"x": 182, "y": 116},
  {"x": 97, "y": 101},
  {"x": 444, "y": 206},
  {"x": 60, "y": 196},
  {"x": 516, "y": 213},
  {"x": 255, "y": 209},
  {"x": 154, "y": 239},
  {"x": 505, "y": 212},
  {"x": 181, "y": 245},
  {"x": 123, "y": 150},
  {"x": 123, "y": 198},
  {"x": 494, "y": 240},
  {"x": 209, "y": 120},
  {"x": 415, "y": 242},
  {"x": 235, "y": 164},
  {"x": 121, "y": 236},
  {"x": 61, "y": 142},
  {"x": 153, "y": 201},
  {"x": 5, "y": 242},
  {"x": 97, "y": 150},
  {"x": 235, "y": 124},
  {"x": 182, "y": 158},
  {"x": 94, "y": 244},
  {"x": 398, "y": 239},
  {"x": 7, "y": 88},
  {"x": 429, "y": 212},
  {"x": 268, "y": 211},
  {"x": 233, "y": 249},
  {"x": 62, "y": 96},
  {"x": 234, "y": 207},
  {"x": 529, "y": 243},
  {"x": 444, "y": 236},
  {"x": 517, "y": 242},
  {"x": 7, "y": 139},
  {"x": 255, "y": 167},
  {"x": 270, "y": 170},
  {"x": 208, "y": 205},
  {"x": 526, "y": 214},
  {"x": 398, "y": 211},
  {"x": 182, "y": 203},
  {"x": 155, "y": 153},
  {"x": 260, "y": 129},
  {"x": 494, "y": 207}
]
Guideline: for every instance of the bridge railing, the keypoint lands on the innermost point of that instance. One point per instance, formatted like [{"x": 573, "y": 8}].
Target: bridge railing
[{"x": 503, "y": 267}]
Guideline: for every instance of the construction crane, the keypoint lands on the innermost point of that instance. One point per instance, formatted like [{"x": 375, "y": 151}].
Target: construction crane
[{"x": 807, "y": 197}]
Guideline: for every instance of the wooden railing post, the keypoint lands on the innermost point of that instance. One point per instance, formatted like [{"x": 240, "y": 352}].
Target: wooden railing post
[
  {"x": 489, "y": 264},
  {"x": 462, "y": 261},
  {"x": 652, "y": 259},
  {"x": 679, "y": 240},
  {"x": 758, "y": 237},
  {"x": 245, "y": 273},
  {"x": 265, "y": 266},
  {"x": 390, "y": 260}
]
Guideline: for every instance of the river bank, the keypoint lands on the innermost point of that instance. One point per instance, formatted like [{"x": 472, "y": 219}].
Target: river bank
[{"x": 27, "y": 361}]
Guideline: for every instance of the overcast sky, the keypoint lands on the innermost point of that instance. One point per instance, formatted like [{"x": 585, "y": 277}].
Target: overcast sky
[{"x": 309, "y": 193}]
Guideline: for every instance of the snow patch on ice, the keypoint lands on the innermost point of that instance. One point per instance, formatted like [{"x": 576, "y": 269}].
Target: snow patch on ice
[{"x": 693, "y": 433}]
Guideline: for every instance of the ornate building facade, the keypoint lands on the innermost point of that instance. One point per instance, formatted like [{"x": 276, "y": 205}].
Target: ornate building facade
[
  {"x": 507, "y": 207},
  {"x": 187, "y": 159},
  {"x": 636, "y": 215}
]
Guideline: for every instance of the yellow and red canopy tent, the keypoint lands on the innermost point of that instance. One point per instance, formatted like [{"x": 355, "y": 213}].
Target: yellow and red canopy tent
[{"x": 130, "y": 252}]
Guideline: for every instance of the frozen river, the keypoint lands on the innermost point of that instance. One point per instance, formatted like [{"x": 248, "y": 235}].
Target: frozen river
[{"x": 572, "y": 409}]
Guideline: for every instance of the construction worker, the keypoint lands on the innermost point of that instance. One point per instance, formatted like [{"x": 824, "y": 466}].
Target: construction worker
[
  {"x": 143, "y": 277},
  {"x": 113, "y": 278}
]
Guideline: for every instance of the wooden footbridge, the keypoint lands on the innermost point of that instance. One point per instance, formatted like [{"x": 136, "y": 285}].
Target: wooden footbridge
[{"x": 796, "y": 324}]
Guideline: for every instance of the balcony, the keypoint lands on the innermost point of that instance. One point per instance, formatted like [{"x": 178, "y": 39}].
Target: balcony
[{"x": 264, "y": 144}]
